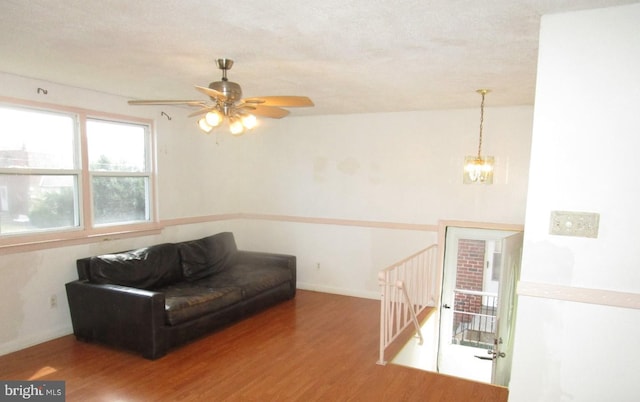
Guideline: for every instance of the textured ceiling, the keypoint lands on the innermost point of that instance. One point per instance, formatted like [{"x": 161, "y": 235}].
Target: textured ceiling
[{"x": 349, "y": 56}]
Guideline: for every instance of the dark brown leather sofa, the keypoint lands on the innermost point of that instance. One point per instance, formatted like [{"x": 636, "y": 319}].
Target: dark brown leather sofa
[{"x": 152, "y": 299}]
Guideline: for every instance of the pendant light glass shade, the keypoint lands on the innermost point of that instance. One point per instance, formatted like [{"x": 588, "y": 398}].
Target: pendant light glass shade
[{"x": 478, "y": 170}]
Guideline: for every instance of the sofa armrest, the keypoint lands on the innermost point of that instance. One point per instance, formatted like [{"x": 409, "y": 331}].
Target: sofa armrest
[
  {"x": 274, "y": 259},
  {"x": 119, "y": 316}
]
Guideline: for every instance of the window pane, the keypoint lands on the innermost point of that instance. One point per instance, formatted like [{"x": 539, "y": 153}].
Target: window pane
[
  {"x": 119, "y": 199},
  {"x": 36, "y": 139},
  {"x": 116, "y": 146},
  {"x": 37, "y": 202}
]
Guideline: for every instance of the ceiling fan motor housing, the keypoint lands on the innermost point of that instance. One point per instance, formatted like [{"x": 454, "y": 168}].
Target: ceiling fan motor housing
[{"x": 231, "y": 90}]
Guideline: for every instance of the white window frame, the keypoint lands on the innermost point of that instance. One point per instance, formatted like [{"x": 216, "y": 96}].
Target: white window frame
[{"x": 87, "y": 231}]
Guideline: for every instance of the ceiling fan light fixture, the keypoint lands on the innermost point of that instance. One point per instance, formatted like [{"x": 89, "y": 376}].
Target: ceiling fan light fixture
[
  {"x": 235, "y": 126},
  {"x": 226, "y": 104},
  {"x": 214, "y": 118},
  {"x": 249, "y": 121},
  {"x": 204, "y": 126}
]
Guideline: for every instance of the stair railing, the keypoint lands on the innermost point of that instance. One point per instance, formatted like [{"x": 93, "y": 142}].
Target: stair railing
[{"x": 408, "y": 287}]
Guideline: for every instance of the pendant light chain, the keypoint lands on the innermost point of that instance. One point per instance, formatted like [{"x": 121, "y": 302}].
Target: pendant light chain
[{"x": 483, "y": 92}]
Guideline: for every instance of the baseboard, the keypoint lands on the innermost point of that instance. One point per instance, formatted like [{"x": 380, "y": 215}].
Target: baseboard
[
  {"x": 28, "y": 341},
  {"x": 339, "y": 291}
]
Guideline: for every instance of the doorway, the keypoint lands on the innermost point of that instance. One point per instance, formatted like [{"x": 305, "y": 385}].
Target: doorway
[{"x": 477, "y": 311}]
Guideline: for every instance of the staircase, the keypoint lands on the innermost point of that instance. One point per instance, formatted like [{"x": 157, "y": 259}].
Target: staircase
[{"x": 408, "y": 288}]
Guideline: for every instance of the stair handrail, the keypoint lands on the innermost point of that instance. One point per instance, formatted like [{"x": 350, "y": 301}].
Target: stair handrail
[{"x": 408, "y": 287}]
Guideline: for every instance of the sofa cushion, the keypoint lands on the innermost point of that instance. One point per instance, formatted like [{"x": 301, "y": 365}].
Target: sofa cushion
[
  {"x": 185, "y": 301},
  {"x": 144, "y": 268},
  {"x": 203, "y": 257},
  {"x": 252, "y": 279}
]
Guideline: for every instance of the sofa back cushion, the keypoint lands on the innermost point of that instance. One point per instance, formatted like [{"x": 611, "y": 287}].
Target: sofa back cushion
[
  {"x": 145, "y": 268},
  {"x": 204, "y": 257}
]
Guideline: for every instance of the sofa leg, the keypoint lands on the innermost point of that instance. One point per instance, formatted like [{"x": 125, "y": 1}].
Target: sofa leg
[
  {"x": 83, "y": 339},
  {"x": 153, "y": 356}
]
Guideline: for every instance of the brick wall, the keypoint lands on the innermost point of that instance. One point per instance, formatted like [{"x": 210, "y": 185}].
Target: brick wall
[{"x": 469, "y": 276}]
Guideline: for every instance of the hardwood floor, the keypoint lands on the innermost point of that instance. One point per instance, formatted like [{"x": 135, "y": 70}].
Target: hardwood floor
[{"x": 317, "y": 347}]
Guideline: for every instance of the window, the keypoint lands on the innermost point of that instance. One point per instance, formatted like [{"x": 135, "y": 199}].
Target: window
[
  {"x": 65, "y": 171},
  {"x": 39, "y": 171},
  {"x": 120, "y": 171}
]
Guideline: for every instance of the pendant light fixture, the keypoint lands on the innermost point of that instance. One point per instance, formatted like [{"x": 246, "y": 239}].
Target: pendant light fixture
[{"x": 479, "y": 169}]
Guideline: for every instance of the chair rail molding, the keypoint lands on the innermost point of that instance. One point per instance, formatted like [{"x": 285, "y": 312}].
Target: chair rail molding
[{"x": 579, "y": 295}]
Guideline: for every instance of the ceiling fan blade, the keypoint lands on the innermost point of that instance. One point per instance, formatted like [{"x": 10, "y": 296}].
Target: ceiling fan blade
[
  {"x": 211, "y": 92},
  {"x": 265, "y": 111},
  {"x": 201, "y": 111},
  {"x": 167, "y": 102},
  {"x": 280, "y": 101}
]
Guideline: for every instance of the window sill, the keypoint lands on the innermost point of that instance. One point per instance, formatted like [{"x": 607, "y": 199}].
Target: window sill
[{"x": 41, "y": 242}]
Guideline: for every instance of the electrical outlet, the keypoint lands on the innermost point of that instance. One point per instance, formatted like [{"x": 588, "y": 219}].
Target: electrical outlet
[
  {"x": 53, "y": 301},
  {"x": 579, "y": 224}
]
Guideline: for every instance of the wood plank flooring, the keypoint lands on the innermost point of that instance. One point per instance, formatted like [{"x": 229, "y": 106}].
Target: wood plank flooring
[{"x": 317, "y": 347}]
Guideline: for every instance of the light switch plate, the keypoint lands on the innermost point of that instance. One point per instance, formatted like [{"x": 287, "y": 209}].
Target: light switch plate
[{"x": 570, "y": 223}]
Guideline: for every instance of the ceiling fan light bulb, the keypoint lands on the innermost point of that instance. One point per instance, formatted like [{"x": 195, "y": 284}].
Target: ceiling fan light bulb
[
  {"x": 204, "y": 126},
  {"x": 249, "y": 121},
  {"x": 236, "y": 127},
  {"x": 213, "y": 118}
]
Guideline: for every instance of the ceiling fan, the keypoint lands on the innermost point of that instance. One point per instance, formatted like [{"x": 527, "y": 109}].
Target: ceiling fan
[{"x": 226, "y": 103}]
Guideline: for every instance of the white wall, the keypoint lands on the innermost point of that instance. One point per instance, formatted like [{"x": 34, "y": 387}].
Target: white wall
[
  {"x": 584, "y": 158},
  {"x": 402, "y": 168},
  {"x": 398, "y": 167}
]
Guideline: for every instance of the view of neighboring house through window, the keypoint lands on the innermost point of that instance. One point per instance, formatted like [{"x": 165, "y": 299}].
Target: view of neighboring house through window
[
  {"x": 40, "y": 175},
  {"x": 44, "y": 185}
]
